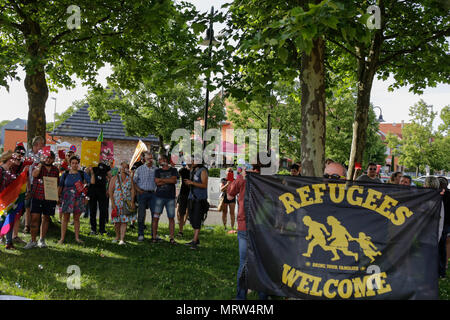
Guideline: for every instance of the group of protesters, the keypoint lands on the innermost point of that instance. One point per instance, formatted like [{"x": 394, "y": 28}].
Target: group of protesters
[{"x": 130, "y": 191}]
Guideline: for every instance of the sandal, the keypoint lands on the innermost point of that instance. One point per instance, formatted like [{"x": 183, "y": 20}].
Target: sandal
[{"x": 172, "y": 241}]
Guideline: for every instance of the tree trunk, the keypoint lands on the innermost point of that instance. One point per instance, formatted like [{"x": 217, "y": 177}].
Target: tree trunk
[
  {"x": 312, "y": 80},
  {"x": 367, "y": 68},
  {"x": 37, "y": 91}
]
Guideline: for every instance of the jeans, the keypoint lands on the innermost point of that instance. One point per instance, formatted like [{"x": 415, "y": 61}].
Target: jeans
[
  {"x": 160, "y": 203},
  {"x": 241, "y": 293},
  {"x": 147, "y": 199},
  {"x": 9, "y": 236}
]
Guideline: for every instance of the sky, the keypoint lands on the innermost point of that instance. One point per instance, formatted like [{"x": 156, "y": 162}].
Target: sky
[{"x": 394, "y": 105}]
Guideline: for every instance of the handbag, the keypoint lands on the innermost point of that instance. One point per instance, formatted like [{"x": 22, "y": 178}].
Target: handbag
[
  {"x": 127, "y": 205},
  {"x": 221, "y": 204}
]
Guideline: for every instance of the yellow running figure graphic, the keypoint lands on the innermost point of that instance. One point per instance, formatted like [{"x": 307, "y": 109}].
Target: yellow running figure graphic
[
  {"x": 340, "y": 237},
  {"x": 315, "y": 233},
  {"x": 367, "y": 245}
]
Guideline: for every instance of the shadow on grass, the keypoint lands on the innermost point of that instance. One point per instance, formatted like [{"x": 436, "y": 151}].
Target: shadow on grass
[{"x": 134, "y": 271}]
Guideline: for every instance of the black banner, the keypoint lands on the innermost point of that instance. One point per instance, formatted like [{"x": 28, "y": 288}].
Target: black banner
[{"x": 317, "y": 238}]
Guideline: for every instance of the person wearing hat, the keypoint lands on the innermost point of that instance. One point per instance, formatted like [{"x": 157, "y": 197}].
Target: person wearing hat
[{"x": 40, "y": 207}]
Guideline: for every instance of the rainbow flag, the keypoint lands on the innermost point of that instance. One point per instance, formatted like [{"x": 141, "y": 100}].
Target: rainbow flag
[{"x": 12, "y": 202}]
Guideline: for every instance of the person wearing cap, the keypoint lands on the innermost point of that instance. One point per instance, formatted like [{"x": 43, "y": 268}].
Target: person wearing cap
[{"x": 41, "y": 209}]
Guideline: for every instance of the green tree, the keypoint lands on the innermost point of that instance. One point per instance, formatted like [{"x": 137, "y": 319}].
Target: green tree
[
  {"x": 410, "y": 45},
  {"x": 145, "y": 112},
  {"x": 417, "y": 143},
  {"x": 283, "y": 113},
  {"x": 340, "y": 110},
  {"x": 285, "y": 41},
  {"x": 47, "y": 41}
]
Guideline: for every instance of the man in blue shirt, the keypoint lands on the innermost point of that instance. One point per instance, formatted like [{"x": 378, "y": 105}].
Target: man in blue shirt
[{"x": 144, "y": 182}]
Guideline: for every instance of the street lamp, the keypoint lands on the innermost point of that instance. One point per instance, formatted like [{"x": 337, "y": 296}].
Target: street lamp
[
  {"x": 208, "y": 41},
  {"x": 380, "y": 118},
  {"x": 54, "y": 114}
]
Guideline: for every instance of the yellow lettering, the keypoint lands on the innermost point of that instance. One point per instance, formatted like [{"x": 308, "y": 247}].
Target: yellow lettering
[
  {"x": 383, "y": 286},
  {"x": 372, "y": 196},
  {"x": 348, "y": 292},
  {"x": 341, "y": 195},
  {"x": 317, "y": 281},
  {"x": 359, "y": 287},
  {"x": 289, "y": 277},
  {"x": 366, "y": 280},
  {"x": 387, "y": 204},
  {"x": 326, "y": 288},
  {"x": 302, "y": 286},
  {"x": 289, "y": 203},
  {"x": 303, "y": 193},
  {"x": 318, "y": 192},
  {"x": 399, "y": 218},
  {"x": 358, "y": 200}
]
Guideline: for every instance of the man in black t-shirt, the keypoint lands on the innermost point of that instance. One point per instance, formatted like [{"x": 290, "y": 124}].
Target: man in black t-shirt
[
  {"x": 165, "y": 179},
  {"x": 97, "y": 194},
  {"x": 182, "y": 201}
]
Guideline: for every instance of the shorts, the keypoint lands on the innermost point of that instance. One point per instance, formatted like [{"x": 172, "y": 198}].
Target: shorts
[
  {"x": 225, "y": 200},
  {"x": 168, "y": 203},
  {"x": 27, "y": 203},
  {"x": 44, "y": 207},
  {"x": 197, "y": 211},
  {"x": 182, "y": 204}
]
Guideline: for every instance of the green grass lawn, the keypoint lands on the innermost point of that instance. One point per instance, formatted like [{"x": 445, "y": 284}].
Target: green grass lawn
[{"x": 134, "y": 271}]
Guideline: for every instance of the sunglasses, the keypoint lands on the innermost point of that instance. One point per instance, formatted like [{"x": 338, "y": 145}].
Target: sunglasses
[
  {"x": 372, "y": 169},
  {"x": 333, "y": 176}
]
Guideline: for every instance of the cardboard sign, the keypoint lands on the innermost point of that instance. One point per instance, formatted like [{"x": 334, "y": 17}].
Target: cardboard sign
[
  {"x": 90, "y": 153},
  {"x": 51, "y": 188}
]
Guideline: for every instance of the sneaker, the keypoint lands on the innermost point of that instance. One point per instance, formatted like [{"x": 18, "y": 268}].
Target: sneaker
[
  {"x": 18, "y": 240},
  {"x": 141, "y": 238},
  {"x": 42, "y": 244},
  {"x": 194, "y": 246},
  {"x": 121, "y": 243},
  {"x": 193, "y": 243},
  {"x": 31, "y": 245}
]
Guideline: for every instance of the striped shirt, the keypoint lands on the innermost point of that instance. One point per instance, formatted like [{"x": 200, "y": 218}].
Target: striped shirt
[{"x": 144, "y": 177}]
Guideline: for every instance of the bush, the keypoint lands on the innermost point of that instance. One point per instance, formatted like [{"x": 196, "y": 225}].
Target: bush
[
  {"x": 284, "y": 172},
  {"x": 214, "y": 172}
]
